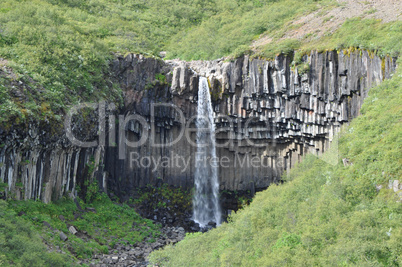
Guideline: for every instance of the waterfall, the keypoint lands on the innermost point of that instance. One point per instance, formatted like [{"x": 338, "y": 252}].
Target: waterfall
[{"x": 206, "y": 206}]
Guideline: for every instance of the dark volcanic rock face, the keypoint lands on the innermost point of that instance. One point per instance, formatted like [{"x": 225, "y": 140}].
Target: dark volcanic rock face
[{"x": 268, "y": 114}]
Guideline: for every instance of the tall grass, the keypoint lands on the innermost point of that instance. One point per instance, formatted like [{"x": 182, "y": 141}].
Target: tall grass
[
  {"x": 59, "y": 51},
  {"x": 108, "y": 224},
  {"x": 21, "y": 245},
  {"x": 323, "y": 215},
  {"x": 236, "y": 23}
]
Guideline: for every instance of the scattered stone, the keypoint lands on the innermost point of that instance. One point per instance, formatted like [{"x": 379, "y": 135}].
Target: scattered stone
[
  {"x": 90, "y": 209},
  {"x": 77, "y": 204},
  {"x": 346, "y": 162},
  {"x": 71, "y": 195},
  {"x": 45, "y": 223},
  {"x": 77, "y": 215},
  {"x": 395, "y": 186},
  {"x": 61, "y": 217},
  {"x": 115, "y": 259},
  {"x": 72, "y": 230},
  {"x": 213, "y": 224},
  {"x": 136, "y": 255},
  {"x": 63, "y": 237}
]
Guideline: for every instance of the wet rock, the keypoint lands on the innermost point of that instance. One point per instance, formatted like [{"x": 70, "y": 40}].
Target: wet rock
[
  {"x": 195, "y": 228},
  {"x": 212, "y": 224}
]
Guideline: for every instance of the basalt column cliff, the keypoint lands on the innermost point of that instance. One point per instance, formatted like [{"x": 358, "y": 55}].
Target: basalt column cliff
[{"x": 268, "y": 114}]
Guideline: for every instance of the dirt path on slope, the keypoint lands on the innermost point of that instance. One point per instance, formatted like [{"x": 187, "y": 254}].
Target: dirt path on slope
[{"x": 327, "y": 21}]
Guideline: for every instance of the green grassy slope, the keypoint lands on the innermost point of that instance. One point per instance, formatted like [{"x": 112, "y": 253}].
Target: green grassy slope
[
  {"x": 236, "y": 24},
  {"x": 21, "y": 245},
  {"x": 56, "y": 52},
  {"x": 104, "y": 226},
  {"x": 324, "y": 215},
  {"x": 370, "y": 34}
]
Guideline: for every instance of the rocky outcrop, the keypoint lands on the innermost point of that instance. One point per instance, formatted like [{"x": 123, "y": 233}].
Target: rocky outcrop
[
  {"x": 268, "y": 114},
  {"x": 127, "y": 254}
]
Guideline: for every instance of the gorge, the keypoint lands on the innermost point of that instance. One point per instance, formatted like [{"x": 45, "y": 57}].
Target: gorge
[{"x": 200, "y": 133}]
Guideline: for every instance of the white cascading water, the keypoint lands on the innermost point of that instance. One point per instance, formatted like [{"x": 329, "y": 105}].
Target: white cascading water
[{"x": 206, "y": 207}]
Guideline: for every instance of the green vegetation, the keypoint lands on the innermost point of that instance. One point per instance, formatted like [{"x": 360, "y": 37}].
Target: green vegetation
[
  {"x": 236, "y": 24},
  {"x": 100, "y": 224},
  {"x": 370, "y": 34},
  {"x": 21, "y": 245},
  {"x": 382, "y": 38},
  {"x": 54, "y": 53},
  {"x": 164, "y": 196},
  {"x": 57, "y": 51},
  {"x": 324, "y": 215}
]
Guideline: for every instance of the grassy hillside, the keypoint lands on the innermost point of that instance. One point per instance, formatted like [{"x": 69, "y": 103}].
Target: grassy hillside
[
  {"x": 236, "y": 24},
  {"x": 370, "y": 34},
  {"x": 55, "y": 52},
  {"x": 21, "y": 245},
  {"x": 324, "y": 215},
  {"x": 101, "y": 224}
]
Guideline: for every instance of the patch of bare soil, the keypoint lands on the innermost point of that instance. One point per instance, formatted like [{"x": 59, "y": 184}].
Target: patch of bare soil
[{"x": 324, "y": 21}]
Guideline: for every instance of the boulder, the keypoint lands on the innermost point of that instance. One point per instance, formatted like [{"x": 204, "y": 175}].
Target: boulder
[
  {"x": 63, "y": 236},
  {"x": 72, "y": 230},
  {"x": 395, "y": 185}
]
